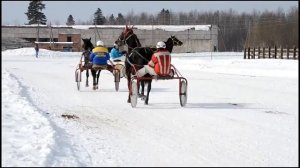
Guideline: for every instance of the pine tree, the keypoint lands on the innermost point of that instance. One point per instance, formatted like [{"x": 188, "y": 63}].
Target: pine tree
[
  {"x": 99, "y": 19},
  {"x": 120, "y": 19},
  {"x": 164, "y": 17},
  {"x": 112, "y": 20},
  {"x": 70, "y": 20},
  {"x": 34, "y": 14}
]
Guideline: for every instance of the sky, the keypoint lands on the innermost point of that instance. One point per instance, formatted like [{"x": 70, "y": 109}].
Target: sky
[
  {"x": 13, "y": 12},
  {"x": 239, "y": 113}
]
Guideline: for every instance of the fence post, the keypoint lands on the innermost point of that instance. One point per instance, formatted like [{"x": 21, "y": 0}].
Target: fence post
[
  {"x": 253, "y": 53},
  {"x": 294, "y": 56},
  {"x": 287, "y": 52},
  {"x": 248, "y": 52},
  {"x": 245, "y": 49},
  {"x": 269, "y": 52},
  {"x": 258, "y": 52},
  {"x": 275, "y": 51},
  {"x": 263, "y": 52},
  {"x": 281, "y": 54}
]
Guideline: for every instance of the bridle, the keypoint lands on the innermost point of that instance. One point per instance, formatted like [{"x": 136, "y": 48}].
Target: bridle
[
  {"x": 125, "y": 39},
  {"x": 175, "y": 41}
]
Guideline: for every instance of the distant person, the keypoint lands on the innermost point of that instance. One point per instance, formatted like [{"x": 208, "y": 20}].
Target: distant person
[
  {"x": 36, "y": 50},
  {"x": 215, "y": 48},
  {"x": 116, "y": 55}
]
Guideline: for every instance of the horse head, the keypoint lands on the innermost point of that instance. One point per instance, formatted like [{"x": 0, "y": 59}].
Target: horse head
[
  {"x": 176, "y": 41},
  {"x": 171, "y": 42},
  {"x": 129, "y": 38},
  {"x": 87, "y": 44}
]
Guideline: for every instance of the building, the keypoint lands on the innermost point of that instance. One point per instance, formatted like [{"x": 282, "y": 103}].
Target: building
[
  {"x": 195, "y": 38},
  {"x": 64, "y": 42}
]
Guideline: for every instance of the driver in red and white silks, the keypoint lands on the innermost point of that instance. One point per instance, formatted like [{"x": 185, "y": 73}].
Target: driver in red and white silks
[{"x": 160, "y": 63}]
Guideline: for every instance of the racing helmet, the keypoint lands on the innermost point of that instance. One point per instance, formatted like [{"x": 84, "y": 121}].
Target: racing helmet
[
  {"x": 160, "y": 44},
  {"x": 100, "y": 43}
]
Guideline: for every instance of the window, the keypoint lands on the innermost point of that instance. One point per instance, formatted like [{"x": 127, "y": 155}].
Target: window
[{"x": 69, "y": 39}]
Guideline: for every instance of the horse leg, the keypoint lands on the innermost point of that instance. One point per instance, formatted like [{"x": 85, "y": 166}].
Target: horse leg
[
  {"x": 142, "y": 89},
  {"x": 148, "y": 91},
  {"x": 128, "y": 84},
  {"x": 87, "y": 78},
  {"x": 94, "y": 79},
  {"x": 98, "y": 75}
]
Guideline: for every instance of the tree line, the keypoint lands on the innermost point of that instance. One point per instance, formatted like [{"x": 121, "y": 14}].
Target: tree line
[{"x": 236, "y": 30}]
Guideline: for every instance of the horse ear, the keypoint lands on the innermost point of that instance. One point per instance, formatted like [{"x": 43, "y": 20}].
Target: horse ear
[{"x": 90, "y": 38}]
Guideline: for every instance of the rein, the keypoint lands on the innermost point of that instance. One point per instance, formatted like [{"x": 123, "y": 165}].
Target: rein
[{"x": 125, "y": 40}]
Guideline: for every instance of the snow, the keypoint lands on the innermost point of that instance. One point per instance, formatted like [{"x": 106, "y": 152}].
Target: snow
[
  {"x": 141, "y": 27},
  {"x": 240, "y": 112},
  {"x": 53, "y": 42}
]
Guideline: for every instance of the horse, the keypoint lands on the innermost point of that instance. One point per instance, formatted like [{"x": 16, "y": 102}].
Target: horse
[
  {"x": 136, "y": 57},
  {"x": 170, "y": 43},
  {"x": 140, "y": 56},
  {"x": 88, "y": 47}
]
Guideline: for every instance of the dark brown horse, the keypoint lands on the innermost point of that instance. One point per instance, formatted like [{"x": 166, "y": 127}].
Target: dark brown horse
[
  {"x": 139, "y": 56},
  {"x": 88, "y": 47}
]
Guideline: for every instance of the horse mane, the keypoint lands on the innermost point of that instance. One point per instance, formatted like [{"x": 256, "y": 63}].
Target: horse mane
[{"x": 169, "y": 44}]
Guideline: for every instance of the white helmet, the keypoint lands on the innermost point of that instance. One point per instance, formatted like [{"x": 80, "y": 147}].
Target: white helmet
[
  {"x": 100, "y": 43},
  {"x": 160, "y": 44}
]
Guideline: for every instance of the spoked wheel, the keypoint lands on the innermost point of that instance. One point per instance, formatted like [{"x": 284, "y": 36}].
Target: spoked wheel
[
  {"x": 183, "y": 93},
  {"x": 117, "y": 79},
  {"x": 134, "y": 93},
  {"x": 78, "y": 79}
]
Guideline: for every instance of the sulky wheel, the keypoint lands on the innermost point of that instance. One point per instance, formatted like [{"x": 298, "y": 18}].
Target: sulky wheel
[
  {"x": 183, "y": 93},
  {"x": 78, "y": 79},
  {"x": 134, "y": 93}
]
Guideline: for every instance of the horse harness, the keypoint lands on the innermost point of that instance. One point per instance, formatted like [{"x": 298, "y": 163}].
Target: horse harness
[
  {"x": 86, "y": 54},
  {"x": 125, "y": 40}
]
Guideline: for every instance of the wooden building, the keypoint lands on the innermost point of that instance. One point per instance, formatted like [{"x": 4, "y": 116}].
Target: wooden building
[{"x": 64, "y": 42}]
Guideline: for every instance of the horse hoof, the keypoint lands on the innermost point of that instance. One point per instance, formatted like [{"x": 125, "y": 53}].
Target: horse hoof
[{"x": 86, "y": 85}]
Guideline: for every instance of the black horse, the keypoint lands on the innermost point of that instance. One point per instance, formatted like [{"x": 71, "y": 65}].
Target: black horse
[
  {"x": 88, "y": 47},
  {"x": 170, "y": 43},
  {"x": 139, "y": 56}
]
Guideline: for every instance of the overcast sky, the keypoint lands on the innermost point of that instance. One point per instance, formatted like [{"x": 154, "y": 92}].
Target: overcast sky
[{"x": 13, "y": 12}]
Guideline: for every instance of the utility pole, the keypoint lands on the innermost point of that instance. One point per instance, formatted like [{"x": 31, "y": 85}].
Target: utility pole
[
  {"x": 38, "y": 31},
  {"x": 210, "y": 28},
  {"x": 51, "y": 37},
  {"x": 152, "y": 32},
  {"x": 188, "y": 46}
]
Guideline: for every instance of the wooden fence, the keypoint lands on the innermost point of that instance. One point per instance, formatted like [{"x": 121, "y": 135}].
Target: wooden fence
[{"x": 268, "y": 52}]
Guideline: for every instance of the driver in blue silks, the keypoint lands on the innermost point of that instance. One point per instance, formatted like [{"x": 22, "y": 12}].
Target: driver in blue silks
[{"x": 116, "y": 55}]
